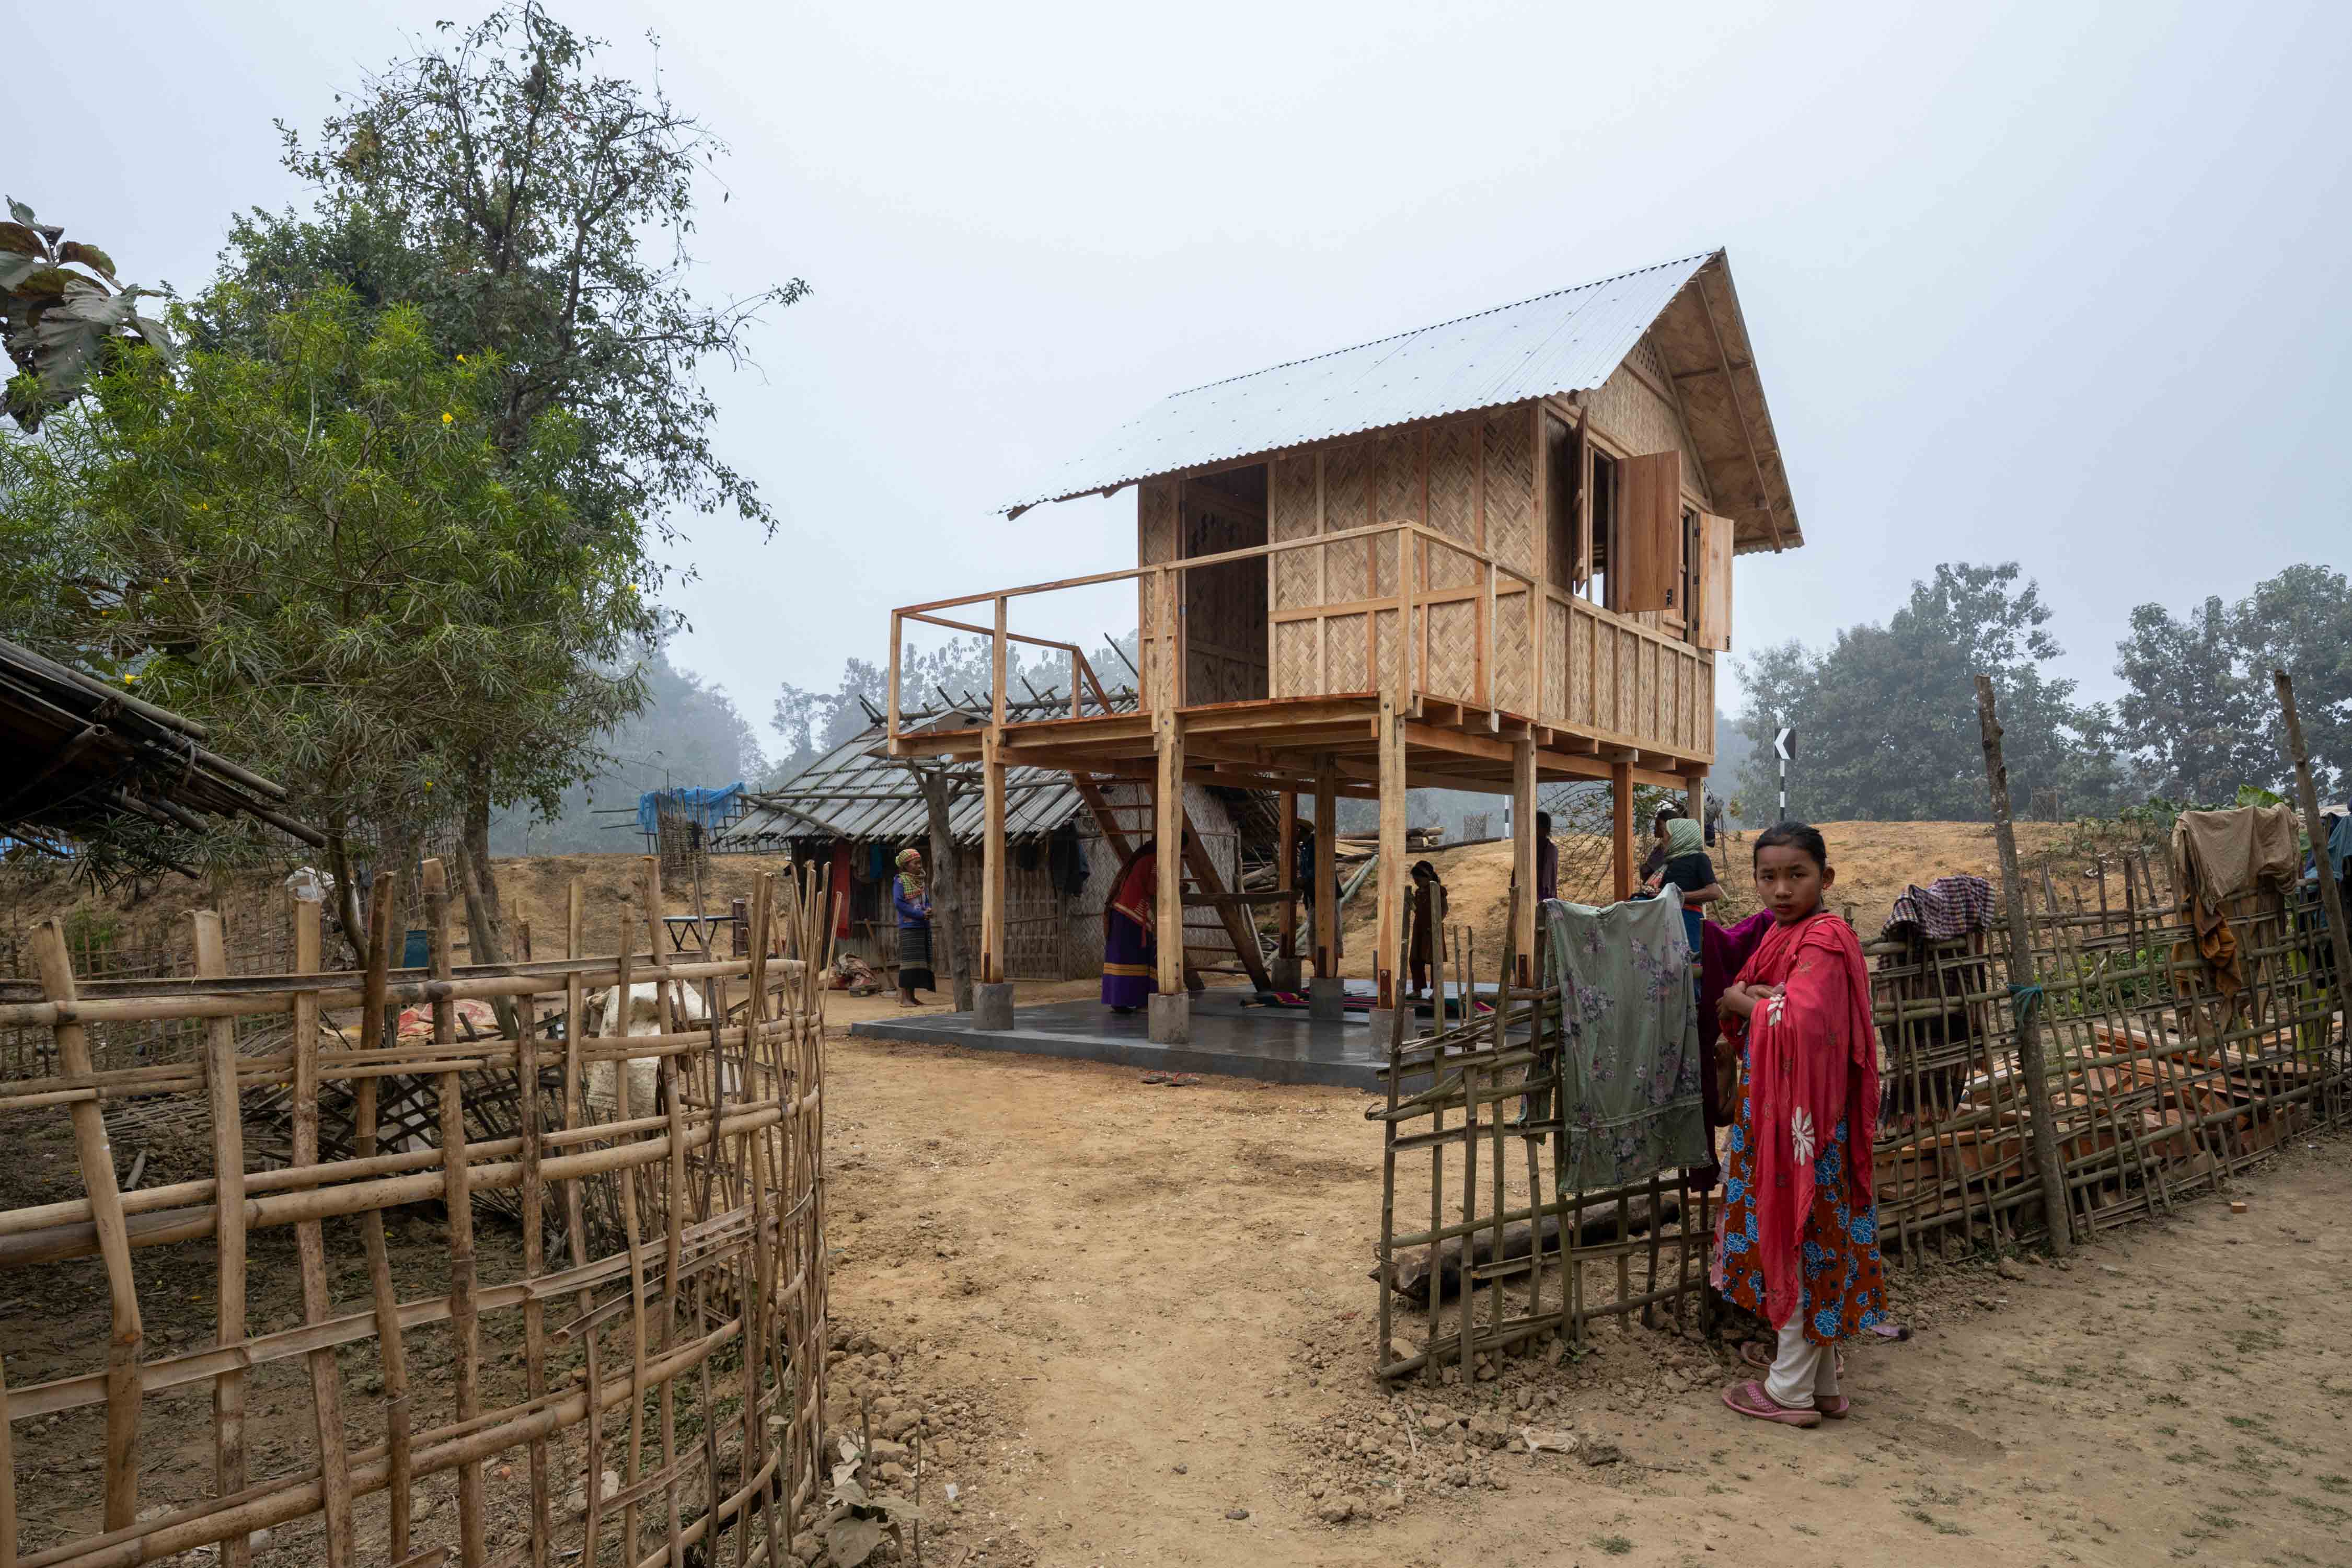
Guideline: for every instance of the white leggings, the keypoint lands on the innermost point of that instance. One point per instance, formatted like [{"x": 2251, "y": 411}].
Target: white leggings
[{"x": 1802, "y": 1372}]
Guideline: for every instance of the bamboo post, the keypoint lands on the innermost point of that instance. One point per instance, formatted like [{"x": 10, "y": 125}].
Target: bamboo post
[
  {"x": 456, "y": 1196},
  {"x": 326, "y": 1382},
  {"x": 2331, "y": 896},
  {"x": 95, "y": 1157},
  {"x": 228, "y": 1204},
  {"x": 2057, "y": 1210}
]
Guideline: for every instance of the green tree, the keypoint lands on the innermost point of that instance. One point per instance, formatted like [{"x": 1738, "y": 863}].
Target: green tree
[
  {"x": 62, "y": 312},
  {"x": 1887, "y": 716},
  {"x": 2301, "y": 621},
  {"x": 2189, "y": 712},
  {"x": 534, "y": 211},
  {"x": 322, "y": 552}
]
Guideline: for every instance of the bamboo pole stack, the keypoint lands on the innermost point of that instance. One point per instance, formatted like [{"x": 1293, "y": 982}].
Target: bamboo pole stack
[{"x": 701, "y": 1332}]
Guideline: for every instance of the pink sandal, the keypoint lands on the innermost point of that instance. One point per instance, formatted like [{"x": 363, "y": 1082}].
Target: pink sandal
[
  {"x": 1837, "y": 1408},
  {"x": 1750, "y": 1399}
]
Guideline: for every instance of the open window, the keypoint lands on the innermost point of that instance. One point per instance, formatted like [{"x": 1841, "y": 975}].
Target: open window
[
  {"x": 1712, "y": 592},
  {"x": 1649, "y": 536}
]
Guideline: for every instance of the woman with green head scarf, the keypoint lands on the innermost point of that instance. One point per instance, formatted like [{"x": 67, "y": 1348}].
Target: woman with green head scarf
[{"x": 1687, "y": 864}]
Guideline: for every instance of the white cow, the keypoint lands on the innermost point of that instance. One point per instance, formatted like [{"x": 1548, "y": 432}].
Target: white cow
[{"x": 685, "y": 1010}]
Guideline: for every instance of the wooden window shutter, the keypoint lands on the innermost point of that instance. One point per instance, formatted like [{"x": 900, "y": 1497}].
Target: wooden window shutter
[
  {"x": 1649, "y": 532},
  {"x": 1713, "y": 629}
]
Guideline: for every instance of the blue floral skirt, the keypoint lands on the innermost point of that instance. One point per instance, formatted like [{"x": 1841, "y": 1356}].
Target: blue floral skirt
[{"x": 1841, "y": 1282}]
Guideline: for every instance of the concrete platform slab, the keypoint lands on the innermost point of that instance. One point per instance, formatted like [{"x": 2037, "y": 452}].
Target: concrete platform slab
[{"x": 1273, "y": 1045}]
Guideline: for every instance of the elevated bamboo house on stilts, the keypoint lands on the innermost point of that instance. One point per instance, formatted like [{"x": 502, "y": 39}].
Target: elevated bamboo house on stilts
[{"x": 1484, "y": 555}]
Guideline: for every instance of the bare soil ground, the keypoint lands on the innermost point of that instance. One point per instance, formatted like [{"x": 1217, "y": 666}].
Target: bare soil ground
[{"x": 1144, "y": 1314}]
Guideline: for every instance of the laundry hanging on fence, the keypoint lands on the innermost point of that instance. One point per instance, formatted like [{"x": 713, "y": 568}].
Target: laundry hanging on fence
[
  {"x": 1631, "y": 1061},
  {"x": 1945, "y": 910},
  {"x": 2222, "y": 855}
]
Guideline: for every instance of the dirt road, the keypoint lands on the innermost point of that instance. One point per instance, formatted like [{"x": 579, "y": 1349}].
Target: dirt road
[{"x": 1136, "y": 1313}]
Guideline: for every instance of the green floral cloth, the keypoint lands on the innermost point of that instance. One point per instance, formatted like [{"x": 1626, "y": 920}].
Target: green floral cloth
[{"x": 1631, "y": 1061}]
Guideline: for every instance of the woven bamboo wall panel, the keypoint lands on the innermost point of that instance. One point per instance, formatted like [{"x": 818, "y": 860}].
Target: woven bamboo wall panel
[
  {"x": 1155, "y": 508},
  {"x": 1601, "y": 704},
  {"x": 1347, "y": 566},
  {"x": 1452, "y": 651},
  {"x": 1346, "y": 661},
  {"x": 1641, "y": 421},
  {"x": 1384, "y": 647},
  {"x": 1509, "y": 488},
  {"x": 1514, "y": 665},
  {"x": 1454, "y": 500},
  {"x": 1560, "y": 663},
  {"x": 1293, "y": 512},
  {"x": 1296, "y": 667}
]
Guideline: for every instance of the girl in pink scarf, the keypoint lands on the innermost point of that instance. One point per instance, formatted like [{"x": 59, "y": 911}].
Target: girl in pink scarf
[{"x": 1798, "y": 1239}]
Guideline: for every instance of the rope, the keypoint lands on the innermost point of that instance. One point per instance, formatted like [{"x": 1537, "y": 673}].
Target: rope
[{"x": 2027, "y": 999}]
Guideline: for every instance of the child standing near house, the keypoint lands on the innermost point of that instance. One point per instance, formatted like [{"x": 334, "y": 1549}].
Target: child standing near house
[{"x": 1797, "y": 1244}]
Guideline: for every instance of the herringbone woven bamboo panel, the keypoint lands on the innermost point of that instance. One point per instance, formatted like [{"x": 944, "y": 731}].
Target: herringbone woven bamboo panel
[
  {"x": 1291, "y": 513},
  {"x": 1347, "y": 569},
  {"x": 1454, "y": 500},
  {"x": 1344, "y": 654},
  {"x": 1509, "y": 487}
]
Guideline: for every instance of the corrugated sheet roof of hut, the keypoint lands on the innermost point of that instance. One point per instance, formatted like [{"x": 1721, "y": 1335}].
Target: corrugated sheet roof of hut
[{"x": 1570, "y": 341}]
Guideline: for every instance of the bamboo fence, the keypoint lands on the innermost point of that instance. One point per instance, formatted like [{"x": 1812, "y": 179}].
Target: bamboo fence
[
  {"x": 686, "y": 1358},
  {"x": 2159, "y": 1086}
]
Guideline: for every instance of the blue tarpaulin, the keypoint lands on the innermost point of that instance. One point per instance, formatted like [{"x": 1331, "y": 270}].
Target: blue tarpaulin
[{"x": 703, "y": 805}]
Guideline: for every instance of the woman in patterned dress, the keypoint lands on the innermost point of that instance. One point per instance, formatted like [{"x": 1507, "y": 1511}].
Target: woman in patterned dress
[{"x": 1799, "y": 1240}]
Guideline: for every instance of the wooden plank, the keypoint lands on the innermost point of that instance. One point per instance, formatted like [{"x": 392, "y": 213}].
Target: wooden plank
[
  {"x": 1286, "y": 874},
  {"x": 1647, "y": 562},
  {"x": 1715, "y": 549},
  {"x": 1239, "y": 928}
]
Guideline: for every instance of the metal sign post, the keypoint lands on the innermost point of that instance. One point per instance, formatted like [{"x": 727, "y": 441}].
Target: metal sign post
[{"x": 1780, "y": 746}]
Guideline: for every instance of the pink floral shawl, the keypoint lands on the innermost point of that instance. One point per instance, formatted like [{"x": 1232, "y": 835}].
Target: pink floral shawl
[{"x": 1812, "y": 1062}]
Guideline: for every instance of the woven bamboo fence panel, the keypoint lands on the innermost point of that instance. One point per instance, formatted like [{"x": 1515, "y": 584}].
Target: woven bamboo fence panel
[
  {"x": 1499, "y": 1255},
  {"x": 1507, "y": 488},
  {"x": 2160, "y": 1085},
  {"x": 462, "y": 1360}
]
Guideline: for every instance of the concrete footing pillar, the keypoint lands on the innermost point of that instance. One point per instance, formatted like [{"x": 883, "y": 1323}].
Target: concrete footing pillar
[
  {"x": 991, "y": 1005},
  {"x": 1169, "y": 1019},
  {"x": 1326, "y": 1000},
  {"x": 1286, "y": 972}
]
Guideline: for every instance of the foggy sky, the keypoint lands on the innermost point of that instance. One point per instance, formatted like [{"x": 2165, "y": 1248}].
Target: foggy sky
[{"x": 2057, "y": 283}]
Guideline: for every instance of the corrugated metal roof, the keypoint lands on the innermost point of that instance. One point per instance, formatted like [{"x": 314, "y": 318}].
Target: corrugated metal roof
[
  {"x": 1571, "y": 341},
  {"x": 853, "y": 792}
]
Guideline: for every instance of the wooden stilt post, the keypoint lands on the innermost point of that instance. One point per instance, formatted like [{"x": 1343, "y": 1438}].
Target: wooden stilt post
[
  {"x": 2057, "y": 1212},
  {"x": 992, "y": 858},
  {"x": 1390, "y": 872},
  {"x": 2331, "y": 897},
  {"x": 1523, "y": 855},
  {"x": 1168, "y": 824},
  {"x": 1327, "y": 870},
  {"x": 1621, "y": 829},
  {"x": 1285, "y": 879},
  {"x": 947, "y": 893}
]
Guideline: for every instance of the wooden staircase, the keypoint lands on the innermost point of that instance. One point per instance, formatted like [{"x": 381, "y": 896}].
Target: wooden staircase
[{"x": 1127, "y": 823}]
